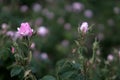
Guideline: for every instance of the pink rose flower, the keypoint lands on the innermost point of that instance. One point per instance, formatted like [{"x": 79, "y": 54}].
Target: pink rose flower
[
  {"x": 88, "y": 13},
  {"x": 13, "y": 50},
  {"x": 110, "y": 57},
  {"x": 84, "y": 27},
  {"x": 77, "y": 6},
  {"x": 25, "y": 29},
  {"x": 42, "y": 31},
  {"x": 32, "y": 45},
  {"x": 44, "y": 56}
]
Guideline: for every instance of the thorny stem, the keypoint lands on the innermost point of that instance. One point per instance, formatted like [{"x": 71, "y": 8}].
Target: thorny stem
[
  {"x": 95, "y": 47},
  {"x": 28, "y": 45},
  {"x": 30, "y": 75},
  {"x": 93, "y": 56}
]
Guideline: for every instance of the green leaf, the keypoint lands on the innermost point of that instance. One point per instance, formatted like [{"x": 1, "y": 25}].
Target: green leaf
[
  {"x": 61, "y": 63},
  {"x": 16, "y": 70},
  {"x": 77, "y": 43},
  {"x": 67, "y": 74},
  {"x": 48, "y": 77},
  {"x": 76, "y": 66},
  {"x": 67, "y": 70},
  {"x": 4, "y": 54}
]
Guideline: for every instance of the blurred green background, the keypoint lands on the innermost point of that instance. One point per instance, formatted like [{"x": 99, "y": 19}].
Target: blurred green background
[{"x": 55, "y": 23}]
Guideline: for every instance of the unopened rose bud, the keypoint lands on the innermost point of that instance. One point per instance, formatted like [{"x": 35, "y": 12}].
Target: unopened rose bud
[
  {"x": 4, "y": 26},
  {"x": 42, "y": 31},
  {"x": 44, "y": 56},
  {"x": 32, "y": 45},
  {"x": 77, "y": 7},
  {"x": 84, "y": 27},
  {"x": 13, "y": 50},
  {"x": 110, "y": 57},
  {"x": 88, "y": 13}
]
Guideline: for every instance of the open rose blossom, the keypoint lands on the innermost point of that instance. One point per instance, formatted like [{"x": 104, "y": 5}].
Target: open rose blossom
[
  {"x": 84, "y": 27},
  {"x": 25, "y": 29}
]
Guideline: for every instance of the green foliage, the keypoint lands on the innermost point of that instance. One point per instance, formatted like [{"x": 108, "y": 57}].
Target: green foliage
[
  {"x": 16, "y": 71},
  {"x": 48, "y": 77},
  {"x": 69, "y": 70},
  {"x": 61, "y": 20},
  {"x": 4, "y": 54}
]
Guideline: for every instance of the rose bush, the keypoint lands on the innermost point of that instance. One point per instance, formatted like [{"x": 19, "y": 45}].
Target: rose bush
[{"x": 55, "y": 37}]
